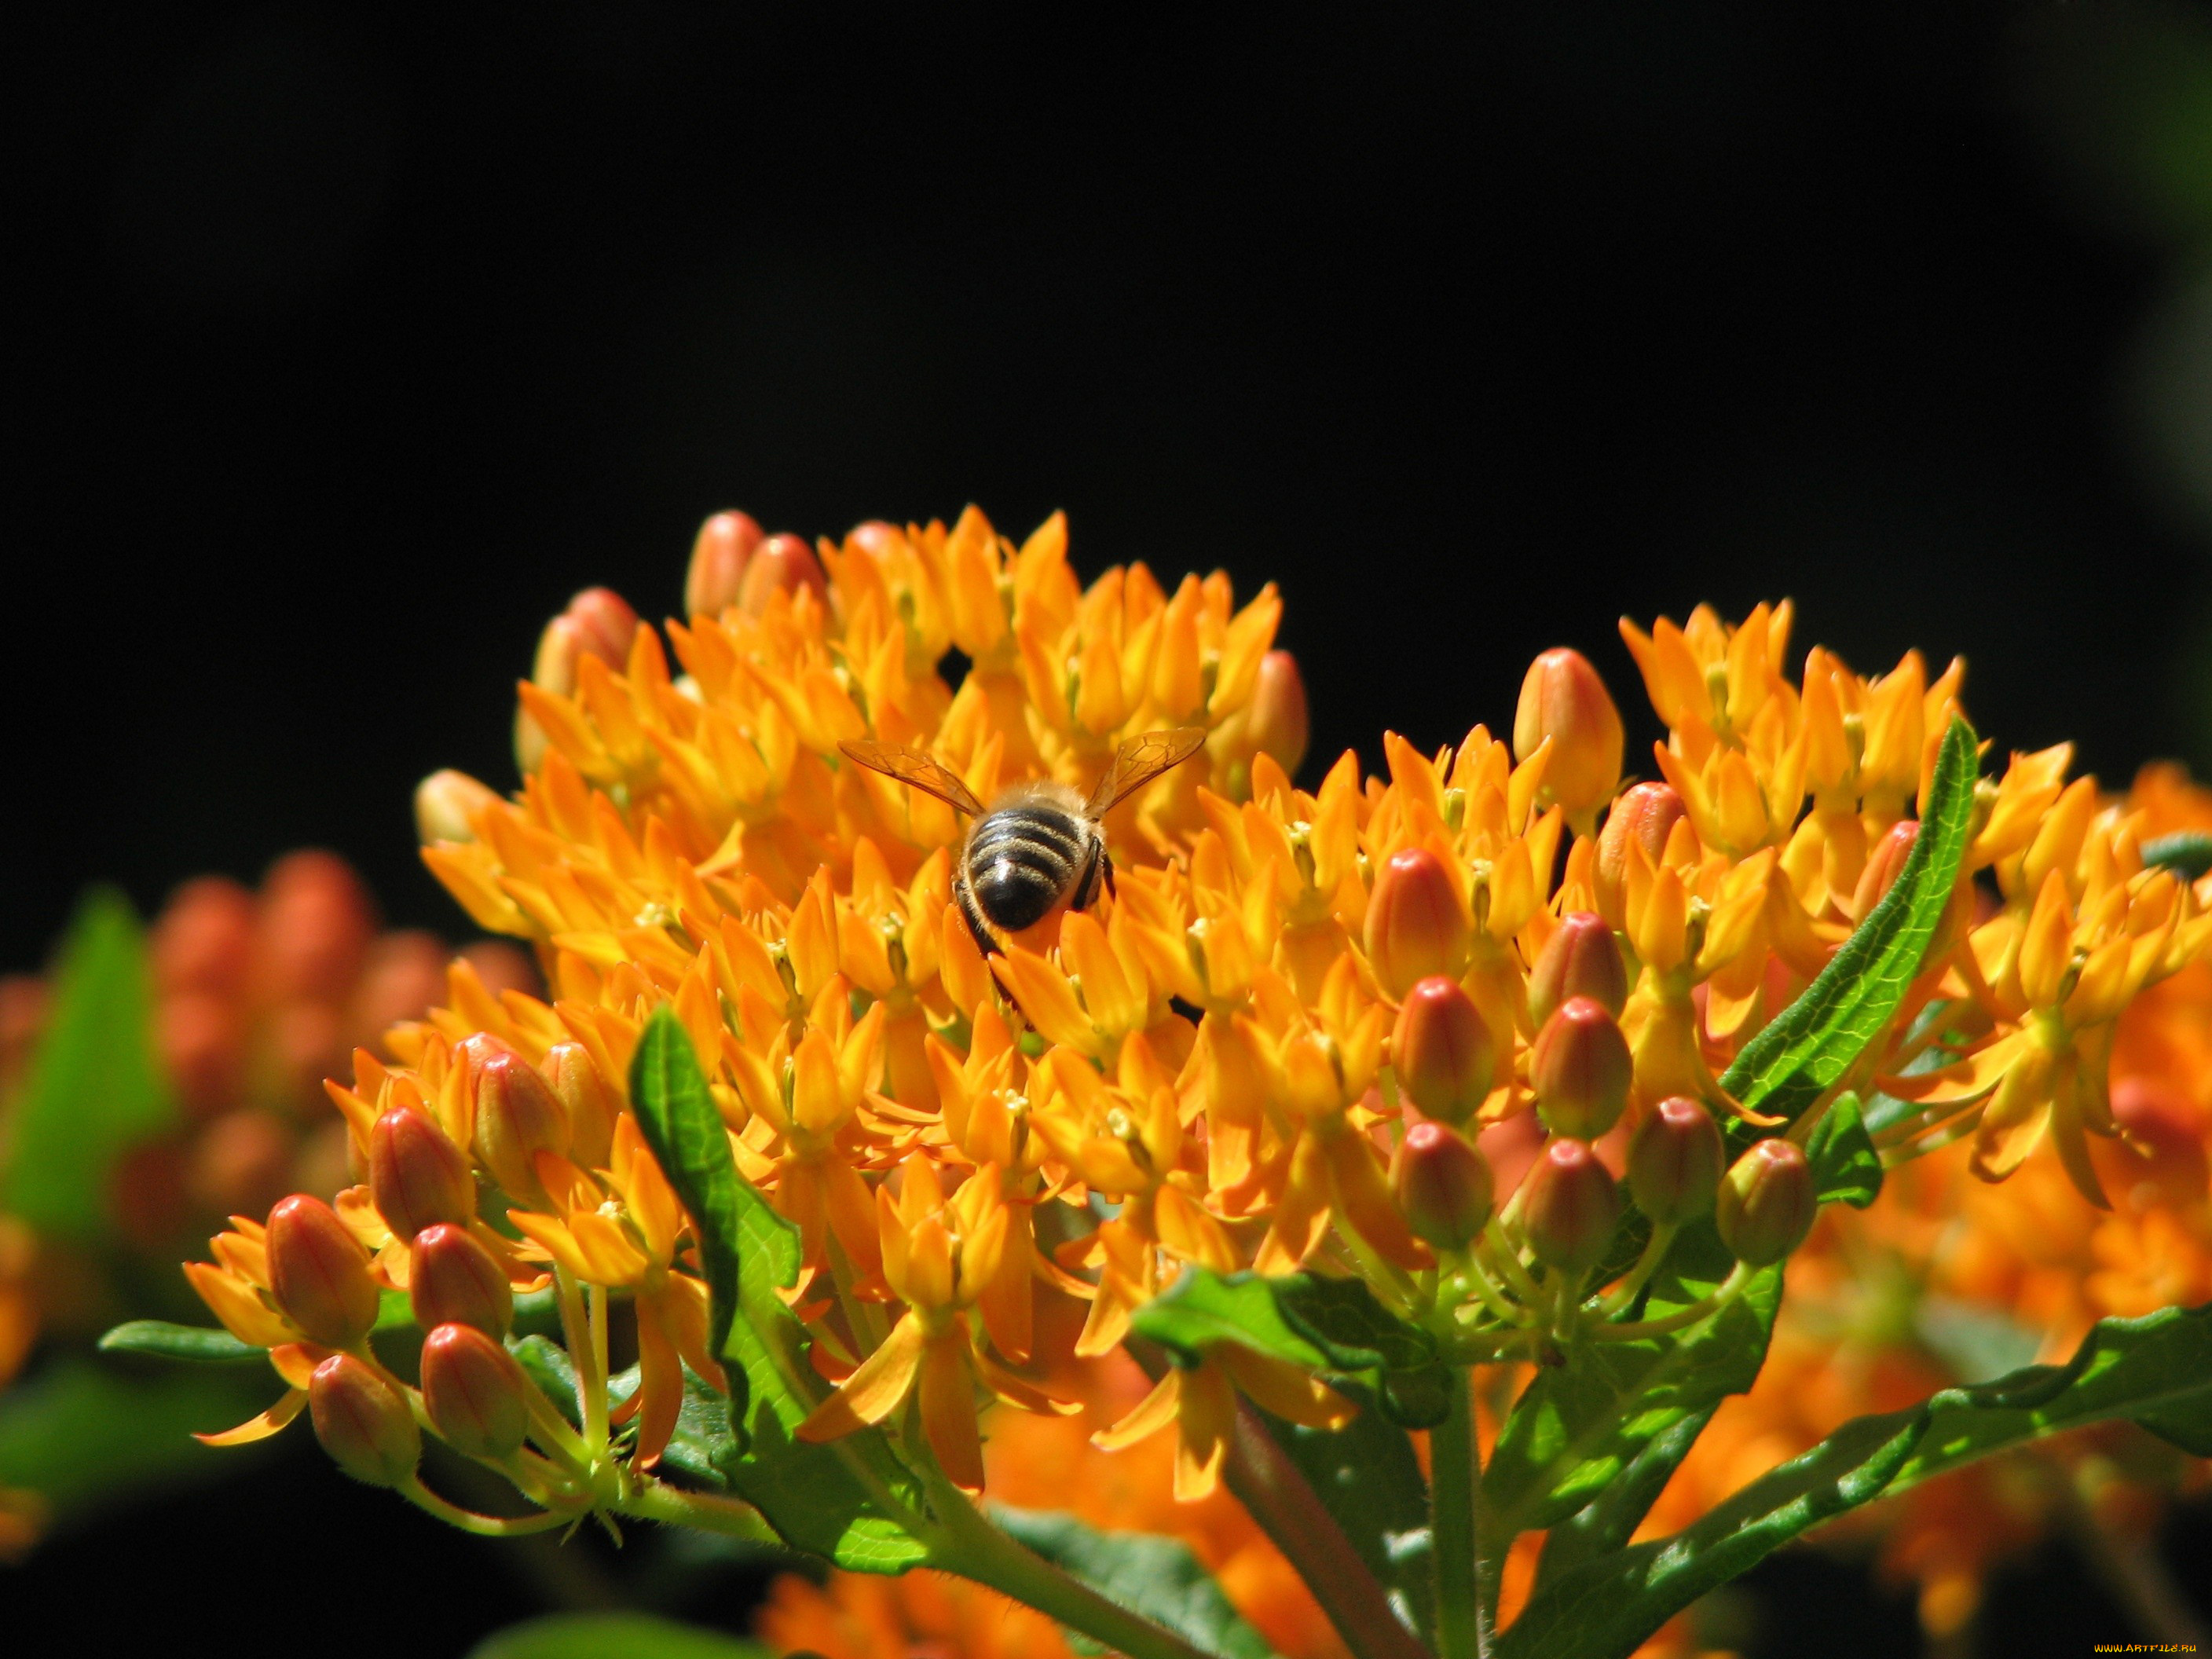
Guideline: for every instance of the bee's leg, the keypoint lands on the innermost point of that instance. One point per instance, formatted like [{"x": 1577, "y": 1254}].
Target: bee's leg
[
  {"x": 1106, "y": 869},
  {"x": 978, "y": 930}
]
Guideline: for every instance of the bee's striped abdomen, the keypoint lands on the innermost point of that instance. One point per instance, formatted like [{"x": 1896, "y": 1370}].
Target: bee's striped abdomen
[{"x": 1022, "y": 860}]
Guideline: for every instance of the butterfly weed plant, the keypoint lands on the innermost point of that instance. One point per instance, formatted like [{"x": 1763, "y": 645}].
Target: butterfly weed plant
[{"x": 1434, "y": 1142}]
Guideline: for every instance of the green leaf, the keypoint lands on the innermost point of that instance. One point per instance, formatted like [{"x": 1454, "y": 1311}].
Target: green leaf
[
  {"x": 1367, "y": 1477},
  {"x": 612, "y": 1636},
  {"x": 94, "y": 1090},
  {"x": 205, "y": 1344},
  {"x": 83, "y": 1432},
  {"x": 1605, "y": 1607},
  {"x": 547, "y": 1364},
  {"x": 1808, "y": 1047},
  {"x": 1154, "y": 1576},
  {"x": 2156, "y": 1370},
  {"x": 1846, "y": 1168},
  {"x": 851, "y": 1499},
  {"x": 1608, "y": 1523},
  {"x": 2187, "y": 853},
  {"x": 1578, "y": 1428},
  {"x": 1332, "y": 1326}
]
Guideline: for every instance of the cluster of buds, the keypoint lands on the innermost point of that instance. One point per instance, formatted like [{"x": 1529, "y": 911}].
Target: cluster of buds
[{"x": 1437, "y": 1030}]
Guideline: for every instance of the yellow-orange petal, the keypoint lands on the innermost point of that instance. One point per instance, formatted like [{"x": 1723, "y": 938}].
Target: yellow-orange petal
[
  {"x": 948, "y": 1410},
  {"x": 259, "y": 1427},
  {"x": 874, "y": 1391}
]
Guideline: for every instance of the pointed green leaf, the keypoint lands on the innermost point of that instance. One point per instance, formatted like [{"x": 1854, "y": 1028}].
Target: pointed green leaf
[
  {"x": 95, "y": 1088},
  {"x": 1808, "y": 1047},
  {"x": 83, "y": 1432},
  {"x": 1609, "y": 1522},
  {"x": 850, "y": 1500},
  {"x": 1156, "y": 1577},
  {"x": 612, "y": 1636},
  {"x": 1202, "y": 1309},
  {"x": 204, "y": 1343},
  {"x": 1846, "y": 1167},
  {"x": 1342, "y": 1317}
]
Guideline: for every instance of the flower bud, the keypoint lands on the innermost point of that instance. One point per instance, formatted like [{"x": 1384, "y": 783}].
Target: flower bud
[
  {"x": 446, "y": 806},
  {"x": 1563, "y": 699},
  {"x": 1647, "y": 815},
  {"x": 1765, "y": 1204},
  {"x": 1417, "y": 923},
  {"x": 782, "y": 561},
  {"x": 319, "y": 1273},
  {"x": 599, "y": 622},
  {"x": 362, "y": 1422},
  {"x": 416, "y": 1177},
  {"x": 1441, "y": 1050},
  {"x": 475, "y": 1393},
  {"x": 1581, "y": 959},
  {"x": 204, "y": 941},
  {"x": 453, "y": 1281},
  {"x": 1674, "y": 1162},
  {"x": 1280, "y": 724},
  {"x": 316, "y": 922},
  {"x": 1442, "y": 1186},
  {"x": 1884, "y": 863},
  {"x": 605, "y": 625},
  {"x": 1580, "y": 1069},
  {"x": 516, "y": 1116},
  {"x": 719, "y": 558},
  {"x": 1571, "y": 1207},
  {"x": 590, "y": 1105}
]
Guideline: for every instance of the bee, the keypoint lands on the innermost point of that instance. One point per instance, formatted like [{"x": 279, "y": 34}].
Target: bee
[{"x": 1037, "y": 846}]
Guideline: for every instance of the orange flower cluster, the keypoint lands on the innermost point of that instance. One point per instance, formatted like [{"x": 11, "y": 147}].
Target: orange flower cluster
[{"x": 1326, "y": 1028}]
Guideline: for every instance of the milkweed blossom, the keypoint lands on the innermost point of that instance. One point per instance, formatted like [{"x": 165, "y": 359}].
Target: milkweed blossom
[{"x": 1508, "y": 944}]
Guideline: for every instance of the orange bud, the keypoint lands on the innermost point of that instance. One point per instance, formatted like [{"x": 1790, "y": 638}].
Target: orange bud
[
  {"x": 1884, "y": 862},
  {"x": 319, "y": 1273},
  {"x": 362, "y": 1422},
  {"x": 1417, "y": 923},
  {"x": 1674, "y": 1161},
  {"x": 590, "y": 1105},
  {"x": 446, "y": 806},
  {"x": 599, "y": 622},
  {"x": 516, "y": 1116},
  {"x": 204, "y": 941},
  {"x": 1581, "y": 959},
  {"x": 416, "y": 1177},
  {"x": 315, "y": 924},
  {"x": 719, "y": 557},
  {"x": 1580, "y": 1069},
  {"x": 1646, "y": 814},
  {"x": 1280, "y": 724},
  {"x": 1441, "y": 1050},
  {"x": 475, "y": 1393},
  {"x": 784, "y": 563},
  {"x": 1570, "y": 1207},
  {"x": 453, "y": 1281},
  {"x": 605, "y": 625},
  {"x": 1561, "y": 698},
  {"x": 1442, "y": 1186},
  {"x": 1765, "y": 1204}
]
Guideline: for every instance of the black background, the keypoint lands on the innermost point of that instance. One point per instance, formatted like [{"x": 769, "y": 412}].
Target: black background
[{"x": 342, "y": 347}]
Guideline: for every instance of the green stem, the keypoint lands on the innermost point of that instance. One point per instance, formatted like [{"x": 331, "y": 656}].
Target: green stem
[
  {"x": 1729, "y": 1289},
  {"x": 656, "y": 1501},
  {"x": 1455, "y": 1509},
  {"x": 484, "y": 1526},
  {"x": 972, "y": 1548},
  {"x": 1654, "y": 1252}
]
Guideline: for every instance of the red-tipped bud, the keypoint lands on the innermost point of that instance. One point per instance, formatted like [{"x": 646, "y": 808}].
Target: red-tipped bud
[
  {"x": 1581, "y": 959},
  {"x": 316, "y": 922},
  {"x": 605, "y": 625},
  {"x": 319, "y": 1273},
  {"x": 1646, "y": 815},
  {"x": 205, "y": 940},
  {"x": 719, "y": 558},
  {"x": 416, "y": 1177},
  {"x": 362, "y": 1422},
  {"x": 1417, "y": 923},
  {"x": 1280, "y": 724},
  {"x": 446, "y": 805},
  {"x": 599, "y": 622},
  {"x": 782, "y": 563},
  {"x": 1884, "y": 862},
  {"x": 1571, "y": 1208},
  {"x": 516, "y": 1116},
  {"x": 590, "y": 1105},
  {"x": 1765, "y": 1204},
  {"x": 1563, "y": 699},
  {"x": 1580, "y": 1069},
  {"x": 453, "y": 1281},
  {"x": 1441, "y": 1050},
  {"x": 1674, "y": 1162},
  {"x": 475, "y": 1393},
  {"x": 1442, "y": 1186}
]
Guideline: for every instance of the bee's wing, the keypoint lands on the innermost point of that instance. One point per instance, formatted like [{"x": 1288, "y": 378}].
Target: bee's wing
[
  {"x": 912, "y": 766},
  {"x": 1140, "y": 761}
]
